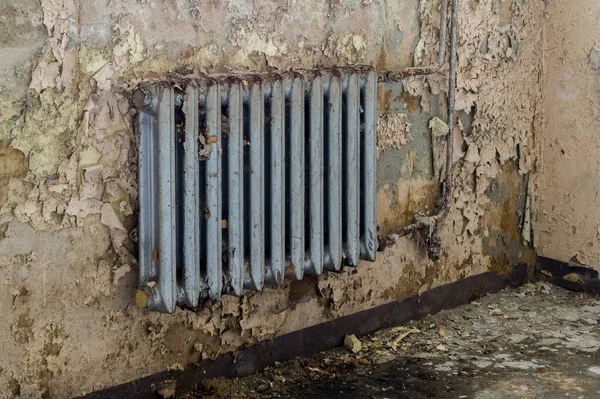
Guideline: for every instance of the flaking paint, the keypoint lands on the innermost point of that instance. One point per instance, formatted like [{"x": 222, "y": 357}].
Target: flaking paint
[{"x": 67, "y": 248}]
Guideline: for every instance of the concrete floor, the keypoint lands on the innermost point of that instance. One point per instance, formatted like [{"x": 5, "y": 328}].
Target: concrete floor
[{"x": 536, "y": 341}]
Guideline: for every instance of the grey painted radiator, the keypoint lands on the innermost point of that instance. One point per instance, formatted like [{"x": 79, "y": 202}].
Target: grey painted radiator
[{"x": 246, "y": 180}]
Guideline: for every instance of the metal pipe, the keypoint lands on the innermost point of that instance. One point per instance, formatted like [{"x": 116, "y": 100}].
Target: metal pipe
[
  {"x": 431, "y": 222},
  {"x": 394, "y": 76},
  {"x": 443, "y": 29},
  {"x": 451, "y": 103}
]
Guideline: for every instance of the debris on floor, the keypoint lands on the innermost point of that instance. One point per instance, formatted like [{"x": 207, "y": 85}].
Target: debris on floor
[
  {"x": 352, "y": 343},
  {"x": 536, "y": 341}
]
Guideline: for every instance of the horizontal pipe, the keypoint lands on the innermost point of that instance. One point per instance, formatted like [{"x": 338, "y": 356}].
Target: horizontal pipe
[{"x": 394, "y": 76}]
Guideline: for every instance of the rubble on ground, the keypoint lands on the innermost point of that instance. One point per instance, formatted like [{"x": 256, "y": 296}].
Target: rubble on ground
[{"x": 536, "y": 341}]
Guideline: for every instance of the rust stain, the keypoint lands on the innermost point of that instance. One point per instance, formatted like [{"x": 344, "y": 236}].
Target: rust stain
[
  {"x": 13, "y": 163},
  {"x": 384, "y": 97},
  {"x": 504, "y": 11},
  {"x": 499, "y": 264},
  {"x": 291, "y": 269},
  {"x": 381, "y": 64},
  {"x": 505, "y": 215},
  {"x": 529, "y": 257},
  {"x": 411, "y": 103},
  {"x": 421, "y": 275},
  {"x": 398, "y": 205}
]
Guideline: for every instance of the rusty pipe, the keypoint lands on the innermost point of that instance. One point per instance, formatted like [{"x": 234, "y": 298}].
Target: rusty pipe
[{"x": 432, "y": 222}]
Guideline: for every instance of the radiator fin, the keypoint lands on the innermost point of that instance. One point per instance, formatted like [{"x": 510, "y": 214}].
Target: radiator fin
[
  {"x": 351, "y": 167},
  {"x": 191, "y": 202},
  {"x": 315, "y": 178},
  {"x": 256, "y": 188},
  {"x": 294, "y": 182},
  {"x": 235, "y": 183},
  {"x": 333, "y": 192},
  {"x": 276, "y": 257}
]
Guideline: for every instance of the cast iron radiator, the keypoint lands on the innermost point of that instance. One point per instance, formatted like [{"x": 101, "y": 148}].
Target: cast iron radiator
[{"x": 245, "y": 180}]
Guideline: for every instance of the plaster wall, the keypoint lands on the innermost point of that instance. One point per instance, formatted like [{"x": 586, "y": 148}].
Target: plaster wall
[
  {"x": 68, "y": 194},
  {"x": 568, "y": 224}
]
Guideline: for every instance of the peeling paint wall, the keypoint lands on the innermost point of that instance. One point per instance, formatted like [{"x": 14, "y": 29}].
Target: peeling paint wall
[
  {"x": 68, "y": 193},
  {"x": 568, "y": 223}
]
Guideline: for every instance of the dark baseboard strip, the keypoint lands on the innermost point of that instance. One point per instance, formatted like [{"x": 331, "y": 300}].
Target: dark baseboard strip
[
  {"x": 320, "y": 337},
  {"x": 579, "y": 278}
]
